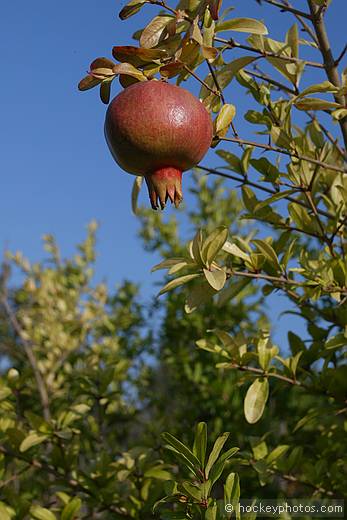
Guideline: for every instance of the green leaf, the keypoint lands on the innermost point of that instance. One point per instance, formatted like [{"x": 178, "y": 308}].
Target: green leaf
[
  {"x": 152, "y": 33},
  {"x": 4, "y": 514},
  {"x": 232, "y": 160},
  {"x": 71, "y": 509},
  {"x": 234, "y": 250},
  {"x": 33, "y": 439},
  {"x": 315, "y": 104},
  {"x": 166, "y": 264},
  {"x": 177, "y": 282},
  {"x": 249, "y": 25},
  {"x": 181, "y": 448},
  {"x": 128, "y": 69},
  {"x": 137, "y": 55},
  {"x": 232, "y": 487},
  {"x": 105, "y": 91},
  {"x": 325, "y": 87},
  {"x": 277, "y": 453},
  {"x": 200, "y": 442},
  {"x": 274, "y": 198},
  {"x": 218, "y": 446},
  {"x": 255, "y": 400},
  {"x": 135, "y": 193},
  {"x": 336, "y": 341},
  {"x": 40, "y": 513},
  {"x": 213, "y": 244},
  {"x": 265, "y": 352},
  {"x": 88, "y": 82},
  {"x": 131, "y": 8},
  {"x": 268, "y": 251},
  {"x": 192, "y": 490},
  {"x": 224, "y": 119},
  {"x": 216, "y": 279},
  {"x": 198, "y": 295},
  {"x": 264, "y": 166},
  {"x": 292, "y": 38}
]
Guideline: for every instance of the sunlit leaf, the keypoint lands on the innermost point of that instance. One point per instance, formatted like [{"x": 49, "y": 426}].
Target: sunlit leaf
[{"x": 255, "y": 400}]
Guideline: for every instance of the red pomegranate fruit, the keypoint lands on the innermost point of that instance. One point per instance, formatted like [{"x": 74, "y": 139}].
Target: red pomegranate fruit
[{"x": 158, "y": 130}]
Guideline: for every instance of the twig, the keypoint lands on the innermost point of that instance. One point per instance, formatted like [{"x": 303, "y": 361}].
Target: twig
[
  {"x": 289, "y": 9},
  {"x": 266, "y": 54},
  {"x": 338, "y": 228},
  {"x": 201, "y": 81},
  {"x": 292, "y": 478},
  {"x": 285, "y": 152},
  {"x": 41, "y": 386},
  {"x": 216, "y": 82},
  {"x": 263, "y": 373},
  {"x": 304, "y": 25},
  {"x": 326, "y": 239},
  {"x": 329, "y": 136},
  {"x": 344, "y": 50},
  {"x": 164, "y": 5},
  {"x": 329, "y": 61},
  {"x": 272, "y": 82},
  {"x": 261, "y": 187}
]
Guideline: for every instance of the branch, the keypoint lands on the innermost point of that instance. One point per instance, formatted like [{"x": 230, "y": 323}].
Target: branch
[
  {"x": 218, "y": 94},
  {"x": 246, "y": 181},
  {"x": 326, "y": 239},
  {"x": 263, "y": 373},
  {"x": 285, "y": 152},
  {"x": 329, "y": 61},
  {"x": 289, "y": 9},
  {"x": 281, "y": 279},
  {"x": 304, "y": 25},
  {"x": 344, "y": 50},
  {"x": 233, "y": 44},
  {"x": 272, "y": 82},
  {"x": 41, "y": 386}
]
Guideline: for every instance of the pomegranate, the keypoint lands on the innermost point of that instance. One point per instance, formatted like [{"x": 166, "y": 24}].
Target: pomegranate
[{"x": 158, "y": 130}]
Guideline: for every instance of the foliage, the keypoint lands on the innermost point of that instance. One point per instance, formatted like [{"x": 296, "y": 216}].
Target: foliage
[{"x": 90, "y": 378}]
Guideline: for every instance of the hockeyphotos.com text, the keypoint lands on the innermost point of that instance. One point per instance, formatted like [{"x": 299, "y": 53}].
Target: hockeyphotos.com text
[{"x": 294, "y": 507}]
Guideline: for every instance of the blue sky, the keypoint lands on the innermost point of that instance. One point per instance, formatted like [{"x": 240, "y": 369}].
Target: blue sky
[{"x": 56, "y": 172}]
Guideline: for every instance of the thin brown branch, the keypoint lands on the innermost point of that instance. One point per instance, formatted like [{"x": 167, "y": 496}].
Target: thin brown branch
[
  {"x": 326, "y": 239},
  {"x": 263, "y": 373},
  {"x": 232, "y": 44},
  {"x": 303, "y": 23},
  {"x": 289, "y": 9},
  {"x": 261, "y": 187},
  {"x": 164, "y": 5},
  {"x": 41, "y": 386},
  {"x": 329, "y": 61},
  {"x": 338, "y": 228},
  {"x": 218, "y": 87},
  {"x": 272, "y": 82},
  {"x": 340, "y": 58},
  {"x": 285, "y": 152},
  {"x": 334, "y": 141},
  {"x": 202, "y": 82},
  {"x": 292, "y": 478}
]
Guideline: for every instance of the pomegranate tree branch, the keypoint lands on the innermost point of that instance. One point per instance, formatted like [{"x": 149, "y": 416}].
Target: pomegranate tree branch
[
  {"x": 232, "y": 44},
  {"x": 339, "y": 59},
  {"x": 261, "y": 187},
  {"x": 303, "y": 23},
  {"x": 192, "y": 73},
  {"x": 329, "y": 61},
  {"x": 289, "y": 9},
  {"x": 41, "y": 386},
  {"x": 272, "y": 82},
  {"x": 285, "y": 152},
  {"x": 263, "y": 373}
]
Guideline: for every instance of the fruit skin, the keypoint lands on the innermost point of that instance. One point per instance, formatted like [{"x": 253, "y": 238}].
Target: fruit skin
[{"x": 158, "y": 130}]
